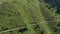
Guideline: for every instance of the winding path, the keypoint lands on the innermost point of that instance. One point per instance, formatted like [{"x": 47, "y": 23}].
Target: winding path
[{"x": 23, "y": 27}]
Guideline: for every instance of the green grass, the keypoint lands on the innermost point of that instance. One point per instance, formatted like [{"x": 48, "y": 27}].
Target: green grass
[{"x": 17, "y": 13}]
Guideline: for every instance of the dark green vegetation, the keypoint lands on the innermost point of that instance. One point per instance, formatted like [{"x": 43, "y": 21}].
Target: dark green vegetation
[
  {"x": 53, "y": 2},
  {"x": 19, "y": 13}
]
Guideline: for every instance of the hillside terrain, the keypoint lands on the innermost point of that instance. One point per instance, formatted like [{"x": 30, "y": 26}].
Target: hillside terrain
[{"x": 29, "y": 17}]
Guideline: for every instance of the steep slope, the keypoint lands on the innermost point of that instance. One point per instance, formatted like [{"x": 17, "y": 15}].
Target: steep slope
[
  {"x": 54, "y": 24},
  {"x": 19, "y": 13}
]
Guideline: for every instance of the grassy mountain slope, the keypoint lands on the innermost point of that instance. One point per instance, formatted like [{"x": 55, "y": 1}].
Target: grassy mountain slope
[{"x": 17, "y": 13}]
